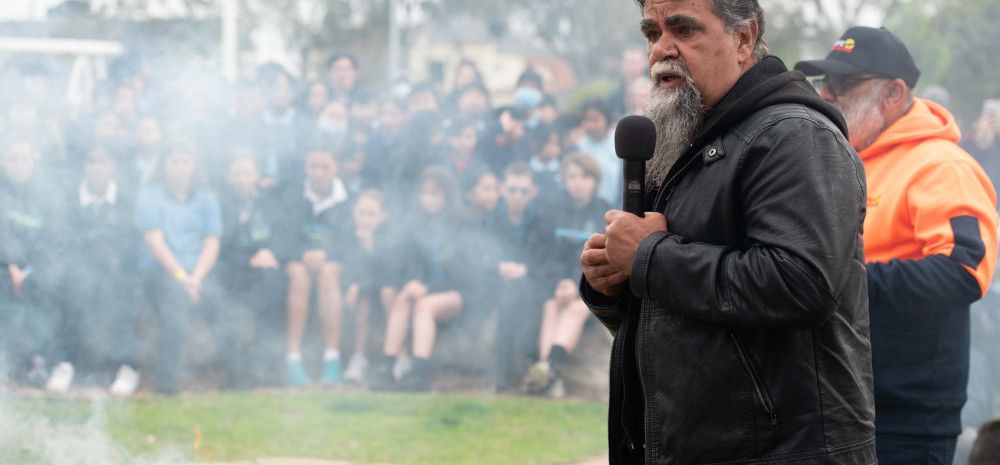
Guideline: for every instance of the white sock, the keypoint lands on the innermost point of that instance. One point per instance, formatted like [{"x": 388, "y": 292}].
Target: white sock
[
  {"x": 331, "y": 355},
  {"x": 294, "y": 357}
]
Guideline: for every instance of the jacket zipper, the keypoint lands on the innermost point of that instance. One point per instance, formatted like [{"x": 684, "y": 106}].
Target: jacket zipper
[
  {"x": 661, "y": 194},
  {"x": 617, "y": 365},
  {"x": 758, "y": 387},
  {"x": 640, "y": 360}
]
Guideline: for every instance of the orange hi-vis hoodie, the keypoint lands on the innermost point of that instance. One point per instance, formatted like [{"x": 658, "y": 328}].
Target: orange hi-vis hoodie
[
  {"x": 919, "y": 181},
  {"x": 931, "y": 245}
]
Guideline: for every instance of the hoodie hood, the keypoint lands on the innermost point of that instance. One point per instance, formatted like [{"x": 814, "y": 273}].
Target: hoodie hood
[
  {"x": 926, "y": 120},
  {"x": 767, "y": 84}
]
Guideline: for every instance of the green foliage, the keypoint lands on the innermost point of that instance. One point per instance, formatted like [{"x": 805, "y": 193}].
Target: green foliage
[{"x": 956, "y": 47}]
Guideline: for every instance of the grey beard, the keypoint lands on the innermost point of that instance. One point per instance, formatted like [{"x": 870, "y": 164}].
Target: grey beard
[
  {"x": 677, "y": 115},
  {"x": 865, "y": 121}
]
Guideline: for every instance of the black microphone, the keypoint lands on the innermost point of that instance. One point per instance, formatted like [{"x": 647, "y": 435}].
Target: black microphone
[{"x": 635, "y": 141}]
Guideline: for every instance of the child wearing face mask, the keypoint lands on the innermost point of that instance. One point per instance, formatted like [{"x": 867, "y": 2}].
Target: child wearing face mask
[
  {"x": 432, "y": 280},
  {"x": 367, "y": 258},
  {"x": 180, "y": 223},
  {"x": 577, "y": 215},
  {"x": 316, "y": 215},
  {"x": 250, "y": 272},
  {"x": 30, "y": 255}
]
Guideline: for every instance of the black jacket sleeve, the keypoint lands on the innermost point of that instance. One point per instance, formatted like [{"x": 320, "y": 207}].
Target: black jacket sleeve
[
  {"x": 609, "y": 310},
  {"x": 936, "y": 281},
  {"x": 803, "y": 198}
]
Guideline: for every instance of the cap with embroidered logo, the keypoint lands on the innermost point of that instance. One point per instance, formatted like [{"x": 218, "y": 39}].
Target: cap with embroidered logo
[{"x": 866, "y": 50}]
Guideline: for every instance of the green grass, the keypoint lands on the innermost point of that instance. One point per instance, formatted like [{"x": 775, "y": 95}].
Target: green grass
[{"x": 361, "y": 428}]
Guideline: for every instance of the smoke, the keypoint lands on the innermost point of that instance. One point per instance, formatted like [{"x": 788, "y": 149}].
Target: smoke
[{"x": 28, "y": 437}]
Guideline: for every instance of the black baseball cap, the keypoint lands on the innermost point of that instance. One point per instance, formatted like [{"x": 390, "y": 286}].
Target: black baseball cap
[{"x": 866, "y": 50}]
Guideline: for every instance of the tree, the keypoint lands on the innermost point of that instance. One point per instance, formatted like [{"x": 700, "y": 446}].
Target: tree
[{"x": 955, "y": 47}]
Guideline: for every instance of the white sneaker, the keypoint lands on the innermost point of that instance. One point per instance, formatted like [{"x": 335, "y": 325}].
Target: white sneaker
[
  {"x": 126, "y": 382},
  {"x": 355, "y": 372},
  {"x": 403, "y": 365},
  {"x": 61, "y": 379}
]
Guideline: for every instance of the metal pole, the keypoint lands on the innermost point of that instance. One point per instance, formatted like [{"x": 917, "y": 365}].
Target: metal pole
[
  {"x": 394, "y": 41},
  {"x": 230, "y": 39}
]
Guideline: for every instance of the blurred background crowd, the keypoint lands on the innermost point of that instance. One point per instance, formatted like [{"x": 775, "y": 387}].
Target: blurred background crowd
[{"x": 402, "y": 197}]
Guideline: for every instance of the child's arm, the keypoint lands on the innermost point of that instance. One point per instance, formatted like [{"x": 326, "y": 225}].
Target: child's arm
[
  {"x": 164, "y": 256},
  {"x": 210, "y": 244},
  {"x": 207, "y": 258}
]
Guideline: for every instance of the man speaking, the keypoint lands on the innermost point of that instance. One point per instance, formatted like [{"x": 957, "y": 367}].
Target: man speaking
[{"x": 739, "y": 306}]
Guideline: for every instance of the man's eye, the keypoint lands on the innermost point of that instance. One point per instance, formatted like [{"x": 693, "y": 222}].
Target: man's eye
[
  {"x": 652, "y": 36},
  {"x": 685, "y": 31}
]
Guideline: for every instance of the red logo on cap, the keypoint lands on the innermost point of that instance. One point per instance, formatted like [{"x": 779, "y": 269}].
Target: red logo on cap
[{"x": 846, "y": 46}]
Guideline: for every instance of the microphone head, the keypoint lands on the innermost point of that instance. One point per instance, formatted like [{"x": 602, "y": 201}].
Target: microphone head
[{"x": 635, "y": 138}]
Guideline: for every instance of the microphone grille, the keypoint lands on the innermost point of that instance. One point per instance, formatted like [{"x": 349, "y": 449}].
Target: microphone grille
[{"x": 635, "y": 138}]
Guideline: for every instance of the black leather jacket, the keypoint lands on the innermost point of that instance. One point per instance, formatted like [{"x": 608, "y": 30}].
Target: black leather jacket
[{"x": 745, "y": 337}]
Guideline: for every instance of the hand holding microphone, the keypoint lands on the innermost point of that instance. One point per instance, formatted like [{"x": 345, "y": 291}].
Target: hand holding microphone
[{"x": 607, "y": 258}]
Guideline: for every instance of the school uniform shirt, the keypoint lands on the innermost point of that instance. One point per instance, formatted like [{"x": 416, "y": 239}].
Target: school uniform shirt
[
  {"x": 311, "y": 222},
  {"x": 434, "y": 253},
  {"x": 103, "y": 236},
  {"x": 249, "y": 227},
  {"x": 369, "y": 269},
  {"x": 930, "y": 239},
  {"x": 572, "y": 227},
  {"x": 529, "y": 243},
  {"x": 30, "y": 229},
  {"x": 185, "y": 224}
]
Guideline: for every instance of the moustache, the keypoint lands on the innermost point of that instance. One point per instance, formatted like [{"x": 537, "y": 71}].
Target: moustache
[{"x": 667, "y": 71}]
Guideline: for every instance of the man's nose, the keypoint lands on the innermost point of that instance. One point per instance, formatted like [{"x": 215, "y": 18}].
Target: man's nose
[{"x": 664, "y": 48}]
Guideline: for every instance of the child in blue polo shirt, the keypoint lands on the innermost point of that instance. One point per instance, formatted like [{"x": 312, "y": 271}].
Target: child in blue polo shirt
[{"x": 180, "y": 223}]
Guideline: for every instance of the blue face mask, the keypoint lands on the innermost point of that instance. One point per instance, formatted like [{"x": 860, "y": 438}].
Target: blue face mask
[{"x": 528, "y": 97}]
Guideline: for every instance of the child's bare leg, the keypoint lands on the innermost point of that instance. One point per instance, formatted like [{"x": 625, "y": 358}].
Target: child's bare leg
[
  {"x": 397, "y": 324},
  {"x": 550, "y": 320},
  {"x": 426, "y": 313},
  {"x": 572, "y": 319},
  {"x": 330, "y": 303},
  {"x": 299, "y": 285}
]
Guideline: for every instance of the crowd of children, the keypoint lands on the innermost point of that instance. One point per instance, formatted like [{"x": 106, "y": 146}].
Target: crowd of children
[{"x": 228, "y": 227}]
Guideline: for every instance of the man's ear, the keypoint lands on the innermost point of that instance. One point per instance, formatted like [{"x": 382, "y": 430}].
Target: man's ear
[
  {"x": 746, "y": 41},
  {"x": 896, "y": 95}
]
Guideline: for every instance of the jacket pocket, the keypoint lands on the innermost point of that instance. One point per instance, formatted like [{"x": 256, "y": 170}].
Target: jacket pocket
[{"x": 760, "y": 392}]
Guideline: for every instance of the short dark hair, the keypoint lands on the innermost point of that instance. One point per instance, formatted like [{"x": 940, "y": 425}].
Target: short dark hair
[
  {"x": 598, "y": 105},
  {"x": 444, "y": 179},
  {"x": 530, "y": 76},
  {"x": 269, "y": 72},
  {"x": 738, "y": 14},
  {"x": 519, "y": 168},
  {"x": 337, "y": 56},
  {"x": 986, "y": 449}
]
